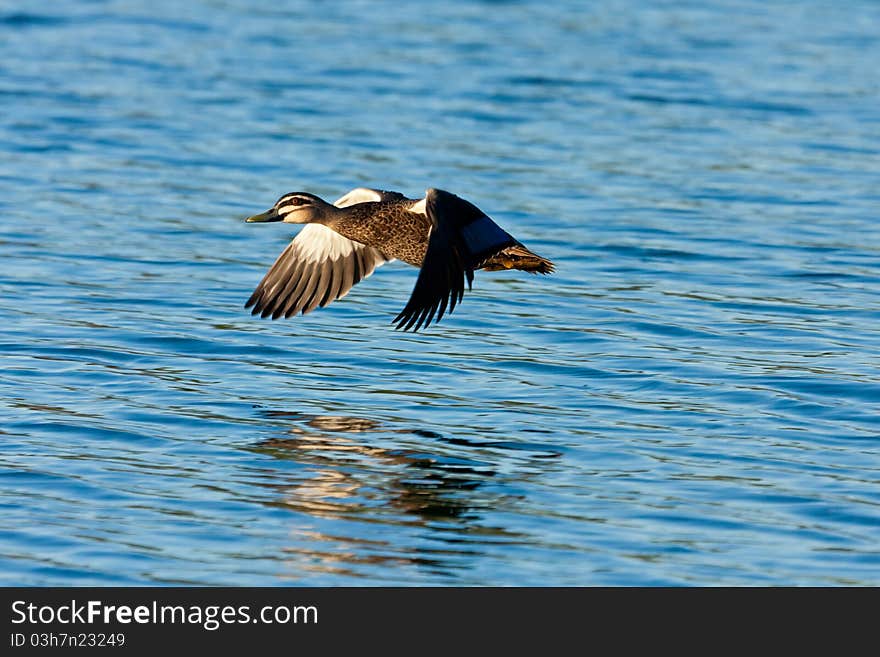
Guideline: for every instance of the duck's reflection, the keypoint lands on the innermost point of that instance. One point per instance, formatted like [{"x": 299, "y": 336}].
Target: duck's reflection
[
  {"x": 420, "y": 486},
  {"x": 350, "y": 476}
]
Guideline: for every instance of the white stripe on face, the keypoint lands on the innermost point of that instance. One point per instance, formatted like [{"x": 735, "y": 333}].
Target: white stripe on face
[{"x": 287, "y": 204}]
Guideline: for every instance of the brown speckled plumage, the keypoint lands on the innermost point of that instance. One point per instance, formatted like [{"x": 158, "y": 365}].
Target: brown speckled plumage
[{"x": 388, "y": 226}]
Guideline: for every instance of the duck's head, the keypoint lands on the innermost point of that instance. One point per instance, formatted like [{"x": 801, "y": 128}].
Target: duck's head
[{"x": 295, "y": 208}]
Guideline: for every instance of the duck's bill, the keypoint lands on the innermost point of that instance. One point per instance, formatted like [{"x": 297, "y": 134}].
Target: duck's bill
[{"x": 268, "y": 215}]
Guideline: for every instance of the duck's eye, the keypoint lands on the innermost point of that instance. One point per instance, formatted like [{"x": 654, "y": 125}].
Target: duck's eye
[{"x": 293, "y": 201}]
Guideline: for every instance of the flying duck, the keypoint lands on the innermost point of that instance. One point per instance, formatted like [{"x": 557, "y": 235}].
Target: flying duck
[{"x": 445, "y": 236}]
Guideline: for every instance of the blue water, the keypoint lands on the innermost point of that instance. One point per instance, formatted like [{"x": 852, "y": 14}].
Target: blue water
[{"x": 693, "y": 398}]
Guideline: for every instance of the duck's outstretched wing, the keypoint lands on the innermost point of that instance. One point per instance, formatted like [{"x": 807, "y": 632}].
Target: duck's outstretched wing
[
  {"x": 461, "y": 238},
  {"x": 317, "y": 267}
]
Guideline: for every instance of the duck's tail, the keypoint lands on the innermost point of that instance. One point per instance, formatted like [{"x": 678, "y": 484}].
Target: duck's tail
[{"x": 518, "y": 257}]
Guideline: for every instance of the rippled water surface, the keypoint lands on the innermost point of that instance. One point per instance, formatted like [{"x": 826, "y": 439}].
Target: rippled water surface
[{"x": 693, "y": 398}]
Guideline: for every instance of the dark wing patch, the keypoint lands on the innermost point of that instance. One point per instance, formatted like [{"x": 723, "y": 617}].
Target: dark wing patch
[{"x": 461, "y": 237}]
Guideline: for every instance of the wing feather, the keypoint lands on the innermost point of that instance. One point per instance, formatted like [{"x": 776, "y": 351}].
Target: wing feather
[
  {"x": 298, "y": 282},
  {"x": 316, "y": 268},
  {"x": 366, "y": 195},
  {"x": 282, "y": 300}
]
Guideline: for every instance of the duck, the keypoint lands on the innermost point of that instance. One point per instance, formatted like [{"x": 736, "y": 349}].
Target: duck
[{"x": 342, "y": 243}]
